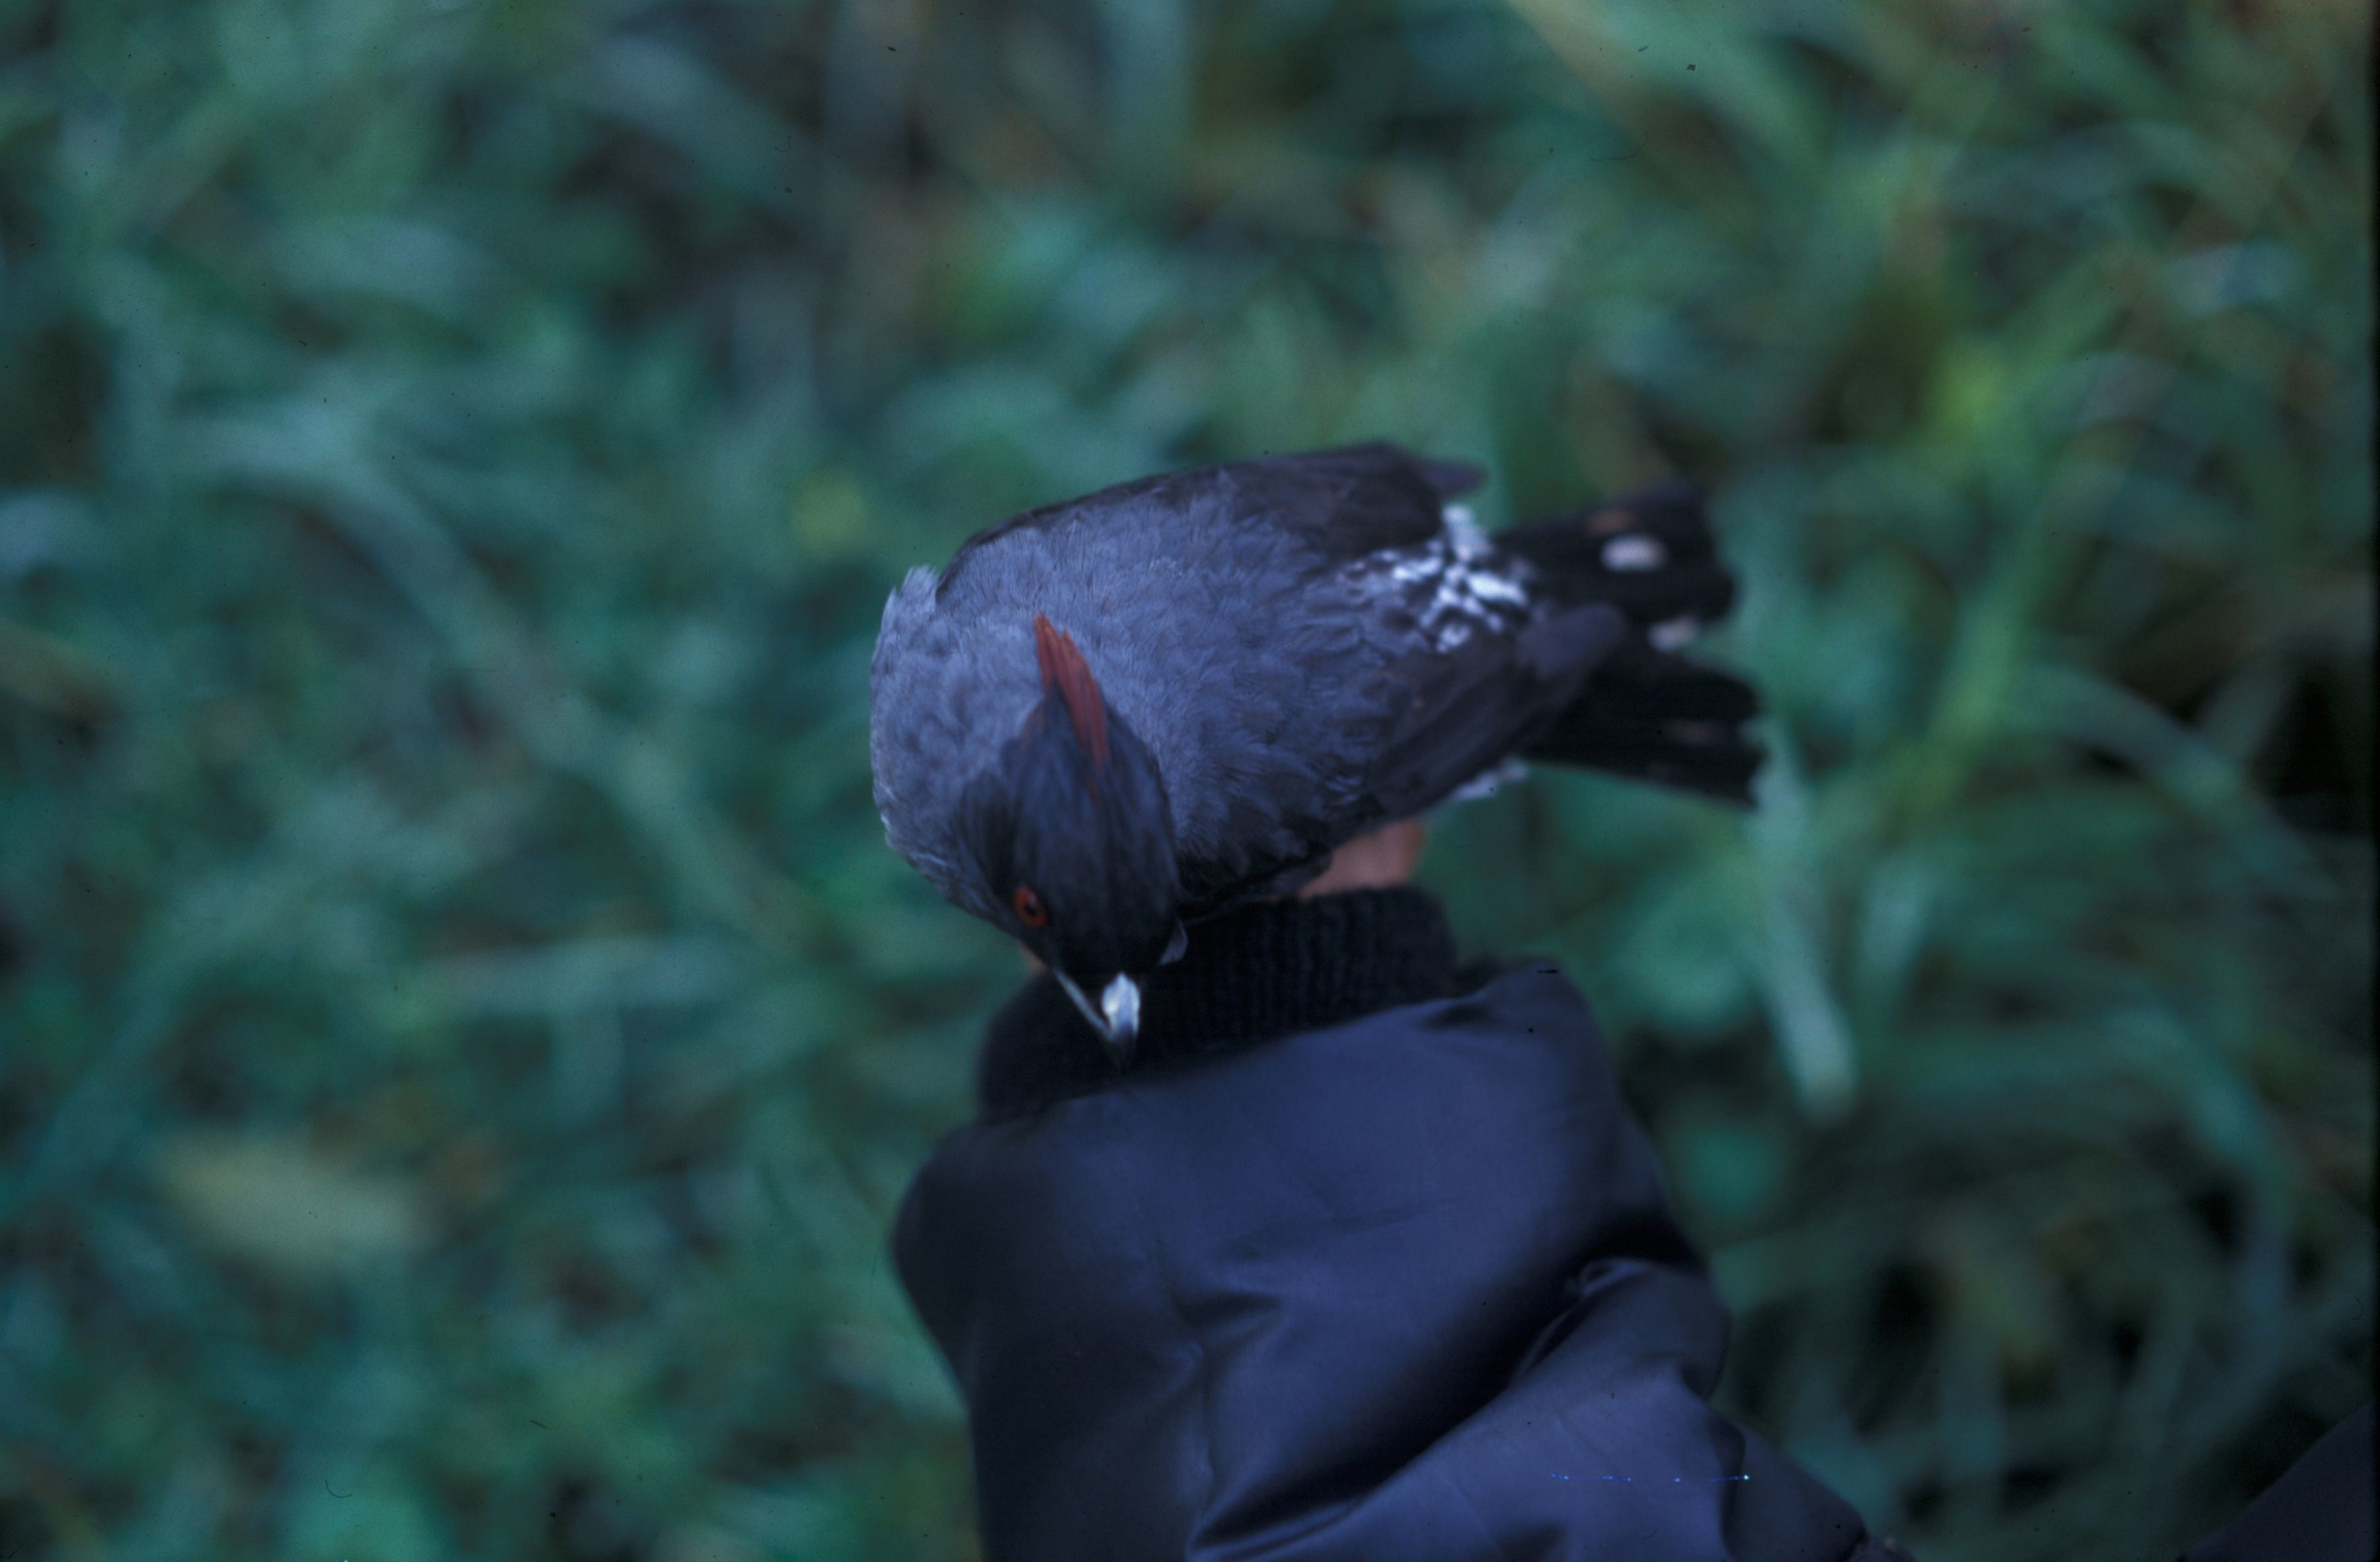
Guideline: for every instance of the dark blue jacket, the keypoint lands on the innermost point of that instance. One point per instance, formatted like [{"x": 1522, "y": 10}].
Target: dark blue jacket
[
  {"x": 1397, "y": 1285},
  {"x": 1402, "y": 1287}
]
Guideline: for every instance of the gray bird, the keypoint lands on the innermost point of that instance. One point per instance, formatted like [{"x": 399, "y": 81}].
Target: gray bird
[{"x": 1112, "y": 718}]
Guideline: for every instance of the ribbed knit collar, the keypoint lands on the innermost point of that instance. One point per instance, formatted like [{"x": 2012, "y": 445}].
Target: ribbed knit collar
[{"x": 1265, "y": 970}]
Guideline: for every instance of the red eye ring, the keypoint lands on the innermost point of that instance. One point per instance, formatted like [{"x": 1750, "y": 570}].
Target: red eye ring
[{"x": 1029, "y": 909}]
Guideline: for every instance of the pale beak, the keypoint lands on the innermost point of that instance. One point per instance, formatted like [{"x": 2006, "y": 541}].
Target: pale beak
[
  {"x": 1120, "y": 1004},
  {"x": 1116, "y": 1016}
]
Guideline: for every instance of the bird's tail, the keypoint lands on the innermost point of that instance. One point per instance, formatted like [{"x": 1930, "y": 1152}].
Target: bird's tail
[{"x": 1647, "y": 713}]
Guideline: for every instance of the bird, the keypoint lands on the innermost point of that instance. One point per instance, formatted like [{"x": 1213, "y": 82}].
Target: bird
[{"x": 1108, "y": 719}]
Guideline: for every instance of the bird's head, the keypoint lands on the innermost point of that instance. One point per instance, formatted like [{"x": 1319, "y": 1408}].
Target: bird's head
[{"x": 1072, "y": 837}]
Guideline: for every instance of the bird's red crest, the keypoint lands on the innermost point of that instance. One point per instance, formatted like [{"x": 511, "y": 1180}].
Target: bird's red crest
[{"x": 1062, "y": 668}]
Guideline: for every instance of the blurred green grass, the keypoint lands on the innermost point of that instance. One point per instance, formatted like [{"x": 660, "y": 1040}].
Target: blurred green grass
[{"x": 462, "y": 1034}]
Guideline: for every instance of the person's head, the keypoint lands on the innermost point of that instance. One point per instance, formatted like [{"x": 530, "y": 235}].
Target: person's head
[{"x": 1072, "y": 837}]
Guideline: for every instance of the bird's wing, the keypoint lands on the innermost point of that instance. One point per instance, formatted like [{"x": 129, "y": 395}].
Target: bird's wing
[
  {"x": 1338, "y": 504},
  {"x": 1466, "y": 666},
  {"x": 1474, "y": 703},
  {"x": 1346, "y": 503},
  {"x": 1446, "y": 713}
]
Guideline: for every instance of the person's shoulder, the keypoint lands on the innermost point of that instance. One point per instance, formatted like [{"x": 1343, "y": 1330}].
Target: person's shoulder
[{"x": 1529, "y": 995}]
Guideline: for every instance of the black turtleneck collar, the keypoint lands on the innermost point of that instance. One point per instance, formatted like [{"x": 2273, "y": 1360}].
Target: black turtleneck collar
[{"x": 1265, "y": 970}]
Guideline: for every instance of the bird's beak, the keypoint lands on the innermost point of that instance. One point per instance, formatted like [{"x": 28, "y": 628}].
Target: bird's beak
[
  {"x": 1121, "y": 1003},
  {"x": 1116, "y": 1016}
]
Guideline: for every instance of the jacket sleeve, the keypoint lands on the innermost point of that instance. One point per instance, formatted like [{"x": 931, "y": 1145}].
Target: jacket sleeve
[{"x": 1402, "y": 1289}]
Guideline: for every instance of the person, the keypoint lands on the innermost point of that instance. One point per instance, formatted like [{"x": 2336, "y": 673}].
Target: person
[{"x": 1363, "y": 1257}]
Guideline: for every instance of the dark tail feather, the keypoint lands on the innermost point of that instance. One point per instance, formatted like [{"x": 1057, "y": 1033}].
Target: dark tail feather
[
  {"x": 1659, "y": 718},
  {"x": 1645, "y": 713}
]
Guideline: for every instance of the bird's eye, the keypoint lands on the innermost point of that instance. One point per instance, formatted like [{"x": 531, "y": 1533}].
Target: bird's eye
[{"x": 1029, "y": 909}]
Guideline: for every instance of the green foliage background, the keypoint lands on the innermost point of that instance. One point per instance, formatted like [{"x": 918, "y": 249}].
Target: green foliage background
[{"x": 462, "y": 1034}]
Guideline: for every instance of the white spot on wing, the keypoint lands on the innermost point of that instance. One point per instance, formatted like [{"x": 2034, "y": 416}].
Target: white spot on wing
[
  {"x": 1507, "y": 772},
  {"x": 1671, "y": 634},
  {"x": 1497, "y": 588},
  {"x": 1453, "y": 585},
  {"x": 1633, "y": 554}
]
